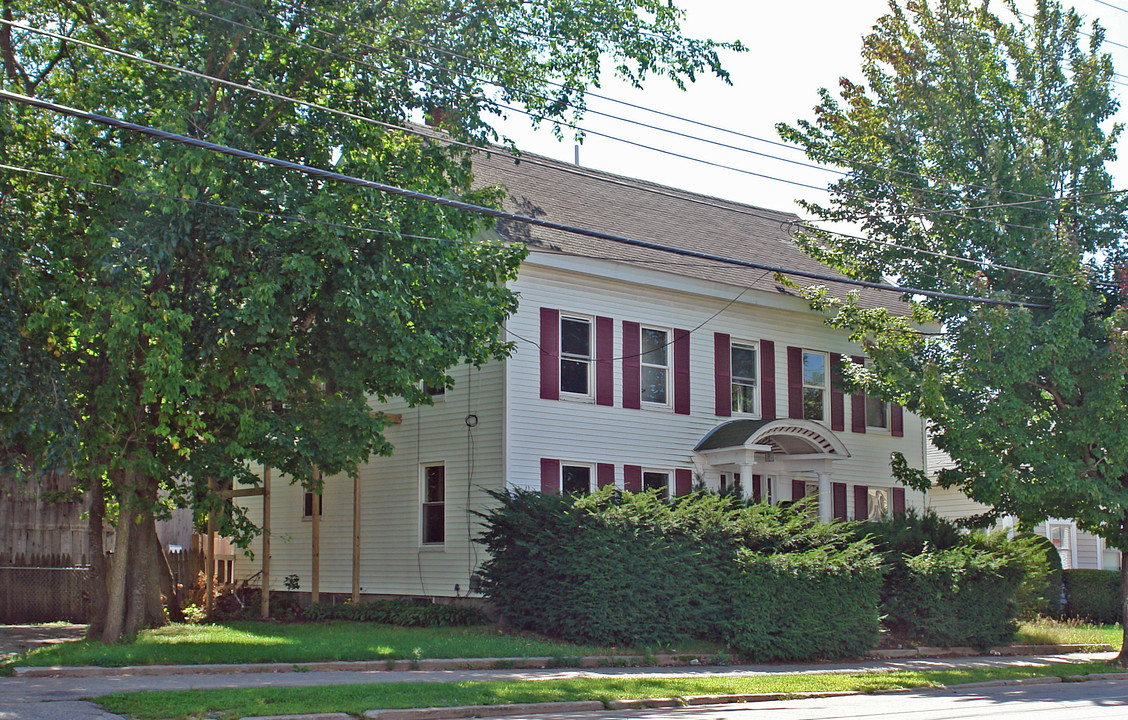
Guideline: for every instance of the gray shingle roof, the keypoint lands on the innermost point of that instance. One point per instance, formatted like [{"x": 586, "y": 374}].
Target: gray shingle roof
[{"x": 563, "y": 193}]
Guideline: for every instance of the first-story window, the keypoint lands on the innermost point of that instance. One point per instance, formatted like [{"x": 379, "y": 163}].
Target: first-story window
[
  {"x": 575, "y": 356},
  {"x": 880, "y": 506},
  {"x": 811, "y": 493},
  {"x": 575, "y": 479},
  {"x": 1062, "y": 538},
  {"x": 655, "y": 366},
  {"x": 435, "y": 391},
  {"x": 743, "y": 378},
  {"x": 434, "y": 504},
  {"x": 307, "y": 504},
  {"x": 814, "y": 385},
  {"x": 657, "y": 480}
]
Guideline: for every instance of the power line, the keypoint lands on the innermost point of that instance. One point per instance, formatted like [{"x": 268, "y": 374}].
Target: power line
[
  {"x": 490, "y": 212},
  {"x": 392, "y": 126}
]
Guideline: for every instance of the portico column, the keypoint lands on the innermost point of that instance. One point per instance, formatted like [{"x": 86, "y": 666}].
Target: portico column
[
  {"x": 826, "y": 502},
  {"x": 746, "y": 481}
]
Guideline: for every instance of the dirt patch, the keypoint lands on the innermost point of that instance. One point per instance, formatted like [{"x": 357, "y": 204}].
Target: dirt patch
[{"x": 15, "y": 639}]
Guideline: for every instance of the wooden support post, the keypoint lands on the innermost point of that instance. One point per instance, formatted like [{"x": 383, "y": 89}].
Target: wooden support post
[
  {"x": 265, "y": 543},
  {"x": 209, "y": 562},
  {"x": 315, "y": 582},
  {"x": 356, "y": 540}
]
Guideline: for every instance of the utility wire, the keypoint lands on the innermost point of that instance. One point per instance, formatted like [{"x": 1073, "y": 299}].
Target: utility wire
[
  {"x": 392, "y": 126},
  {"x": 487, "y": 211}
]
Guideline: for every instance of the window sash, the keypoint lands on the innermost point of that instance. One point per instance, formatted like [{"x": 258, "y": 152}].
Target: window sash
[
  {"x": 433, "y": 512},
  {"x": 655, "y": 365},
  {"x": 575, "y": 479},
  {"x": 656, "y": 480},
  {"x": 880, "y": 503},
  {"x": 575, "y": 356},
  {"x": 307, "y": 504},
  {"x": 877, "y": 413},
  {"x": 815, "y": 378},
  {"x": 745, "y": 398}
]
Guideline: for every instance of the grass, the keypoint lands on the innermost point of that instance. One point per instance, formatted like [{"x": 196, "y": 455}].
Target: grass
[
  {"x": 261, "y": 642},
  {"x": 1045, "y": 631},
  {"x": 355, "y": 699}
]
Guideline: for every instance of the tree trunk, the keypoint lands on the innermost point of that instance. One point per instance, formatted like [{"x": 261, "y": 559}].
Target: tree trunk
[
  {"x": 97, "y": 588},
  {"x": 1122, "y": 658},
  {"x": 168, "y": 583}
]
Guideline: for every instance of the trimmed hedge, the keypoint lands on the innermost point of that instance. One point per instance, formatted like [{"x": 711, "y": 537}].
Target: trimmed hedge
[
  {"x": 405, "y": 613},
  {"x": 632, "y": 569},
  {"x": 1092, "y": 595}
]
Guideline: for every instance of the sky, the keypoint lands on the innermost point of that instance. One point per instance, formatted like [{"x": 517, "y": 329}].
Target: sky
[{"x": 795, "y": 48}]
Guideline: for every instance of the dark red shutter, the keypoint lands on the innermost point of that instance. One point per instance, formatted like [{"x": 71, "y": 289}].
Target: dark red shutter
[
  {"x": 632, "y": 478},
  {"x": 632, "y": 365},
  {"x": 550, "y": 476},
  {"x": 795, "y": 383},
  {"x": 604, "y": 369},
  {"x": 683, "y": 482},
  {"x": 767, "y": 380},
  {"x": 681, "y": 372},
  {"x": 549, "y": 354},
  {"x": 838, "y": 491},
  {"x": 861, "y": 502},
  {"x": 858, "y": 406},
  {"x": 896, "y": 420},
  {"x": 798, "y": 490},
  {"x": 757, "y": 488},
  {"x": 837, "y": 397},
  {"x": 722, "y": 373},
  {"x": 605, "y": 474},
  {"x": 898, "y": 501}
]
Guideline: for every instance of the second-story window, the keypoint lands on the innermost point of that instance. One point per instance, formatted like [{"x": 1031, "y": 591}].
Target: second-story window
[
  {"x": 814, "y": 385},
  {"x": 655, "y": 366},
  {"x": 575, "y": 356},
  {"x": 744, "y": 378}
]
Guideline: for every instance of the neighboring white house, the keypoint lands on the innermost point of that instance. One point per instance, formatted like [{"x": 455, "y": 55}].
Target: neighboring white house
[
  {"x": 632, "y": 367},
  {"x": 1077, "y": 548}
]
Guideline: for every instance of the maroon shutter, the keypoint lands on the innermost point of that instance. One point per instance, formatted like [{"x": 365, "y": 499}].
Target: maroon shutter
[
  {"x": 896, "y": 420},
  {"x": 604, "y": 370},
  {"x": 683, "y": 482},
  {"x": 861, "y": 502},
  {"x": 681, "y": 372},
  {"x": 838, "y": 491},
  {"x": 858, "y": 406},
  {"x": 757, "y": 488},
  {"x": 837, "y": 398},
  {"x": 722, "y": 373},
  {"x": 798, "y": 490},
  {"x": 604, "y": 474},
  {"x": 898, "y": 501},
  {"x": 549, "y": 354},
  {"x": 632, "y": 478},
  {"x": 767, "y": 380},
  {"x": 632, "y": 366},
  {"x": 550, "y": 476},
  {"x": 795, "y": 383}
]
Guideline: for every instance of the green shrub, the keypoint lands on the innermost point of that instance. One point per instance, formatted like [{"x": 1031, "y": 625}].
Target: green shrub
[
  {"x": 954, "y": 597},
  {"x": 404, "y": 613},
  {"x": 1092, "y": 595},
  {"x": 633, "y": 569},
  {"x": 1039, "y": 594}
]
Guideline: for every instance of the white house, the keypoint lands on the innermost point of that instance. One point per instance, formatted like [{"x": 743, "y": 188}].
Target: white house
[{"x": 633, "y": 367}]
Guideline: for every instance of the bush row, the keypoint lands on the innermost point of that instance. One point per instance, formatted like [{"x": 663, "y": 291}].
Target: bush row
[
  {"x": 769, "y": 581},
  {"x": 404, "y": 613},
  {"x": 1092, "y": 595}
]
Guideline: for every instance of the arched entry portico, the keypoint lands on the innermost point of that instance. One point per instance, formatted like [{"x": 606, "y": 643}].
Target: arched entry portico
[{"x": 787, "y": 450}]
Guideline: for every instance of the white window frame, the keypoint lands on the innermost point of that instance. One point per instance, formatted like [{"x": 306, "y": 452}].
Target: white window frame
[
  {"x": 589, "y": 360},
  {"x": 873, "y": 491},
  {"x": 424, "y": 504},
  {"x": 439, "y": 396},
  {"x": 812, "y": 505},
  {"x": 668, "y": 348},
  {"x": 1069, "y": 534},
  {"x": 824, "y": 388},
  {"x": 754, "y": 346},
  {"x": 884, "y": 411},
  {"x": 306, "y": 497},
  {"x": 1102, "y": 548},
  {"x": 592, "y": 481},
  {"x": 669, "y": 480}
]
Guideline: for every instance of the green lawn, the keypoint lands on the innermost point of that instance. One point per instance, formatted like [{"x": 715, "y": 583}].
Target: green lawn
[
  {"x": 257, "y": 642},
  {"x": 356, "y": 699},
  {"x": 1047, "y": 631}
]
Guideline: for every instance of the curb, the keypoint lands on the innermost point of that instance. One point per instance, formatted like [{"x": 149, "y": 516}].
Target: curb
[
  {"x": 484, "y": 711},
  {"x": 529, "y": 663}
]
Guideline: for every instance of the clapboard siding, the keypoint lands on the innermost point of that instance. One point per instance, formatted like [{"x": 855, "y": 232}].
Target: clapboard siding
[
  {"x": 393, "y": 561},
  {"x": 657, "y": 438}
]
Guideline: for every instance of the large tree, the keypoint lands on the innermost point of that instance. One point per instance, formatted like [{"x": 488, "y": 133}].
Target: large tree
[
  {"x": 171, "y": 315},
  {"x": 975, "y": 159}
]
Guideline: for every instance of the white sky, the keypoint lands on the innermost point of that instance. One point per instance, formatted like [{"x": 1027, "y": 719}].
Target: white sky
[{"x": 795, "y": 47}]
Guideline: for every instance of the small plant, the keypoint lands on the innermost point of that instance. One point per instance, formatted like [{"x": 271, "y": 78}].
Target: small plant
[
  {"x": 390, "y": 664},
  {"x": 292, "y": 582},
  {"x": 504, "y": 665},
  {"x": 720, "y": 658}
]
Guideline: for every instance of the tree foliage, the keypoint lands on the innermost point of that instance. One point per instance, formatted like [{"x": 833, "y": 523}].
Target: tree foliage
[
  {"x": 215, "y": 313},
  {"x": 987, "y": 136}
]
